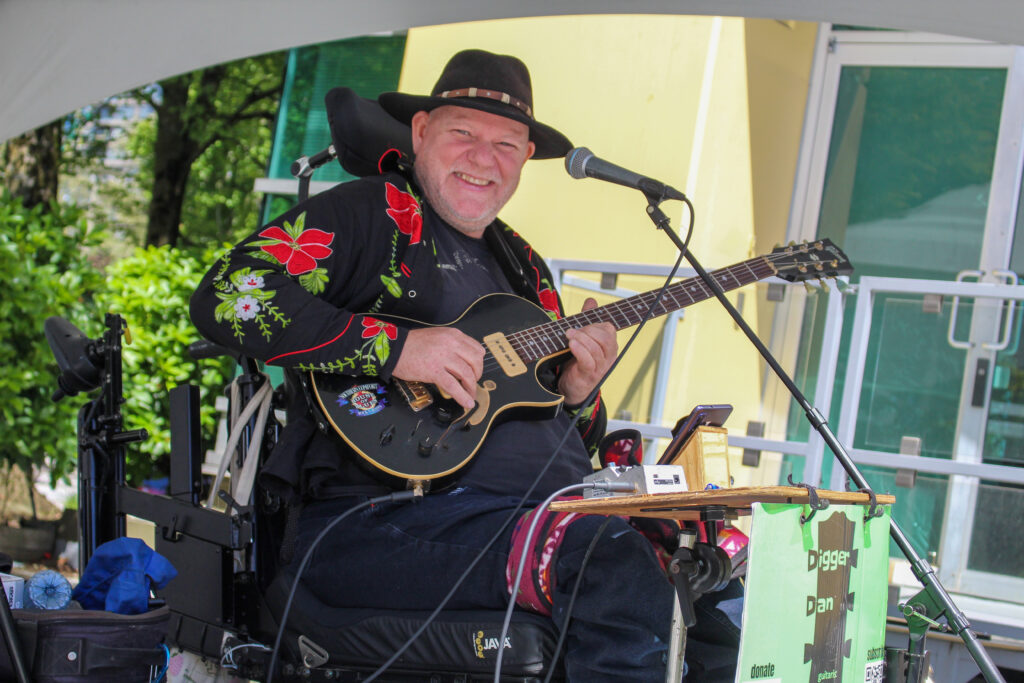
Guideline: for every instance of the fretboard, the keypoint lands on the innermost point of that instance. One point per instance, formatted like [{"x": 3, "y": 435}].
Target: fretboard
[{"x": 549, "y": 338}]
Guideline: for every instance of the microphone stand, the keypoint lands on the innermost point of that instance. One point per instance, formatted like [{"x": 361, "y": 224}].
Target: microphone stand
[{"x": 931, "y": 603}]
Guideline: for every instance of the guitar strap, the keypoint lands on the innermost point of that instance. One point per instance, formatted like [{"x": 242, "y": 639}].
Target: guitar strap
[{"x": 513, "y": 265}]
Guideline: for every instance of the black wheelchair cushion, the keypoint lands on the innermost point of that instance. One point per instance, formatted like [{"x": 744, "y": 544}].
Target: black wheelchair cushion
[{"x": 457, "y": 641}]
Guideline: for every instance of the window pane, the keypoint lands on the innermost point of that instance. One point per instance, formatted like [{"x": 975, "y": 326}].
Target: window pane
[{"x": 909, "y": 167}]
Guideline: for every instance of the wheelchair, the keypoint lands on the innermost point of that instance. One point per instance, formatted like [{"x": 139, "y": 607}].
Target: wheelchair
[{"x": 229, "y": 595}]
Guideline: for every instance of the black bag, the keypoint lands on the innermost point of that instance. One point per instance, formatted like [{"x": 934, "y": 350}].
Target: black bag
[{"x": 73, "y": 646}]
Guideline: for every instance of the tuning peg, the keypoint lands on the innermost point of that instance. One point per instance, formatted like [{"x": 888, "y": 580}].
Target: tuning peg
[
  {"x": 824, "y": 286},
  {"x": 809, "y": 288}
]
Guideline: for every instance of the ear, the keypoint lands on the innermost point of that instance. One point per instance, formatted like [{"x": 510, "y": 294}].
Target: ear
[
  {"x": 419, "y": 126},
  {"x": 530, "y": 150}
]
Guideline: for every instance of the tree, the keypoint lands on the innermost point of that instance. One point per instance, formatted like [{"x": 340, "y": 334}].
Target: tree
[
  {"x": 217, "y": 107},
  {"x": 31, "y": 163}
]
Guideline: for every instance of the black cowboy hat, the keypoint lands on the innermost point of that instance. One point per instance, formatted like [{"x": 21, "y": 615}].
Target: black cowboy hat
[{"x": 496, "y": 84}]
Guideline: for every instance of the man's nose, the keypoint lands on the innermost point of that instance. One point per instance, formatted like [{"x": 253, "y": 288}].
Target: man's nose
[{"x": 482, "y": 153}]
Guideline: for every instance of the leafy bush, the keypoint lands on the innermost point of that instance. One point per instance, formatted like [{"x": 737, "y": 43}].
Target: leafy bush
[
  {"x": 151, "y": 289},
  {"x": 53, "y": 266},
  {"x": 45, "y": 254}
]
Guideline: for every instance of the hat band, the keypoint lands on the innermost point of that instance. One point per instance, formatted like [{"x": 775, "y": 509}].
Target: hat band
[{"x": 502, "y": 97}]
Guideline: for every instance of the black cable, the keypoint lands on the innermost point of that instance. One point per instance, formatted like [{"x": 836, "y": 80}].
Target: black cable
[
  {"x": 572, "y": 599},
  {"x": 543, "y": 470},
  {"x": 397, "y": 497}
]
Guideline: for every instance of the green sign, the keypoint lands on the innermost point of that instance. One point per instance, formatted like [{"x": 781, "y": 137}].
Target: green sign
[{"x": 815, "y": 596}]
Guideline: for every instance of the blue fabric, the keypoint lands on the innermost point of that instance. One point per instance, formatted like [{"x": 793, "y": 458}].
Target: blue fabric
[
  {"x": 408, "y": 557},
  {"x": 119, "y": 575}
]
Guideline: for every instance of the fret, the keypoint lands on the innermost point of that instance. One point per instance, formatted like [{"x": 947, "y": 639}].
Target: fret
[
  {"x": 675, "y": 301},
  {"x": 531, "y": 344}
]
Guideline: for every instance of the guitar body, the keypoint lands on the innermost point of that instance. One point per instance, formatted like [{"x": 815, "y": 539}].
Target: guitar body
[{"x": 431, "y": 443}]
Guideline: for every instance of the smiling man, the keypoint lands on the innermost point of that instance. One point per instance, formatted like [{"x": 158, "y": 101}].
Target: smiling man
[{"x": 304, "y": 293}]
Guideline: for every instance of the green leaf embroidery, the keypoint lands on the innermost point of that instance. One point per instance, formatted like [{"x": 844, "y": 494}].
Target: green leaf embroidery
[
  {"x": 259, "y": 253},
  {"x": 392, "y": 285},
  {"x": 314, "y": 281},
  {"x": 381, "y": 348},
  {"x": 225, "y": 310}
]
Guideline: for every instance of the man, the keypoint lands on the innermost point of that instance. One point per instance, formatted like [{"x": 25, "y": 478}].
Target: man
[{"x": 302, "y": 293}]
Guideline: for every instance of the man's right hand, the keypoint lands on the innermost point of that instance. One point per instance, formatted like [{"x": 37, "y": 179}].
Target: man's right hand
[{"x": 445, "y": 357}]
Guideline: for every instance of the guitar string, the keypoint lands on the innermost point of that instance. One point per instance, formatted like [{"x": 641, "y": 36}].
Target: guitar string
[{"x": 537, "y": 342}]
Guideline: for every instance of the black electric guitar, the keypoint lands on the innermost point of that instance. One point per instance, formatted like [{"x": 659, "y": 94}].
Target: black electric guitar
[{"x": 412, "y": 434}]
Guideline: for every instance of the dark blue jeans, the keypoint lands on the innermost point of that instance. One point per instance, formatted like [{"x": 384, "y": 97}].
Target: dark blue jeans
[{"x": 409, "y": 556}]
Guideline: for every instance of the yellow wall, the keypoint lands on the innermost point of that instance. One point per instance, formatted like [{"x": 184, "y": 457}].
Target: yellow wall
[{"x": 712, "y": 106}]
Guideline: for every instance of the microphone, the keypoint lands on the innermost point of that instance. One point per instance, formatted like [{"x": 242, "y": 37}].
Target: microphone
[{"x": 581, "y": 163}]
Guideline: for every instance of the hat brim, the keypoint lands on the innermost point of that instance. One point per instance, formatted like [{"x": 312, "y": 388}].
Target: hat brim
[{"x": 550, "y": 144}]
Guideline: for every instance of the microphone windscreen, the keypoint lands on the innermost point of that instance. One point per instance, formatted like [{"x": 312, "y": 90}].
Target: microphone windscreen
[{"x": 576, "y": 162}]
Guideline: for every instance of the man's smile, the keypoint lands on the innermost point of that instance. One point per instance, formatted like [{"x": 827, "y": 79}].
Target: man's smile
[{"x": 473, "y": 180}]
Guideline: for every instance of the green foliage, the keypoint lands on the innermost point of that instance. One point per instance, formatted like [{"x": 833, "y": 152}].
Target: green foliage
[
  {"x": 212, "y": 139},
  {"x": 219, "y": 203},
  {"x": 151, "y": 289},
  {"x": 52, "y": 261},
  {"x": 45, "y": 254}
]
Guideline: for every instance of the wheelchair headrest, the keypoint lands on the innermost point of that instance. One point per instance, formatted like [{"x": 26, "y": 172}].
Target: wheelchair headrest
[{"x": 362, "y": 132}]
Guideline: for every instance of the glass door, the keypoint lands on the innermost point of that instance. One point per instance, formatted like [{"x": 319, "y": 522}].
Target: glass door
[{"x": 912, "y": 164}]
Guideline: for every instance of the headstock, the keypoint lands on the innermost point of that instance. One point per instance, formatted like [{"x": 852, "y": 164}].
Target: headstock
[{"x": 809, "y": 261}]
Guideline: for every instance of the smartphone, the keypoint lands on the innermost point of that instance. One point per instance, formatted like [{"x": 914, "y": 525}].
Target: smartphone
[{"x": 705, "y": 415}]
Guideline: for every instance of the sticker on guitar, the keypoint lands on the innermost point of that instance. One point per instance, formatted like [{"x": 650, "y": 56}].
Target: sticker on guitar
[{"x": 365, "y": 399}]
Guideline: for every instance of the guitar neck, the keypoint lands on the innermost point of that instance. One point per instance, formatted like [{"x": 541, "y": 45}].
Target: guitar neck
[{"x": 548, "y": 339}]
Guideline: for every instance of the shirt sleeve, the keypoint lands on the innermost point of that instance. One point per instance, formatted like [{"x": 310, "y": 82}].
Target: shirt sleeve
[{"x": 288, "y": 294}]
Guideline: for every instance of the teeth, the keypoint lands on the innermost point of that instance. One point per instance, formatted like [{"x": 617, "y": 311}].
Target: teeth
[{"x": 473, "y": 181}]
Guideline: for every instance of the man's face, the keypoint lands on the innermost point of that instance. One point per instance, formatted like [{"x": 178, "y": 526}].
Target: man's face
[{"x": 468, "y": 163}]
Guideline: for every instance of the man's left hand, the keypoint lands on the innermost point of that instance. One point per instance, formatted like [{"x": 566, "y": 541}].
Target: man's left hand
[{"x": 593, "y": 351}]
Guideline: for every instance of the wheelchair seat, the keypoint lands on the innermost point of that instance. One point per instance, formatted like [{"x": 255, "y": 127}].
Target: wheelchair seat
[{"x": 459, "y": 645}]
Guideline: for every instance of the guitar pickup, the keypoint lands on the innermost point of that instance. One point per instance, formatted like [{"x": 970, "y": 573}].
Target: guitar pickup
[
  {"x": 416, "y": 394},
  {"x": 500, "y": 347}
]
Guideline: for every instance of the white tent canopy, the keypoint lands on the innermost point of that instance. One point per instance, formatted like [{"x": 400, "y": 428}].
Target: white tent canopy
[{"x": 57, "y": 56}]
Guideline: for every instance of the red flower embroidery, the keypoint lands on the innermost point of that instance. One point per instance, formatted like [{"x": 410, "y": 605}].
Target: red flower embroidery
[
  {"x": 300, "y": 254},
  {"x": 405, "y": 212},
  {"x": 373, "y": 327},
  {"x": 548, "y": 300}
]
